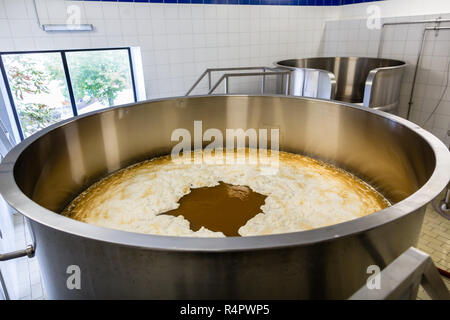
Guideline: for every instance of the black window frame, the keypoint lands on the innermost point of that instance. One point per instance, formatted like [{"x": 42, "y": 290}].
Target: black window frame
[{"x": 66, "y": 74}]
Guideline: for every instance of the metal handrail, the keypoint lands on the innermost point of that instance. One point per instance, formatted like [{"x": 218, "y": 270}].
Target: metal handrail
[
  {"x": 27, "y": 252},
  {"x": 226, "y": 77},
  {"x": 401, "y": 279},
  {"x": 208, "y": 72},
  {"x": 416, "y": 69},
  {"x": 436, "y": 28},
  {"x": 438, "y": 21}
]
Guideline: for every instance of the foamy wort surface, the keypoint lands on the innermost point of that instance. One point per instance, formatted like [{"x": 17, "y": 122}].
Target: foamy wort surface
[{"x": 301, "y": 193}]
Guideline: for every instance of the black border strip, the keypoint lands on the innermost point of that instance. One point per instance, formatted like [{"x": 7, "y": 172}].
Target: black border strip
[
  {"x": 133, "y": 82},
  {"x": 69, "y": 83}
]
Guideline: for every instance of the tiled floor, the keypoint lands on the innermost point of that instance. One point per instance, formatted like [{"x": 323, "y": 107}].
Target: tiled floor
[
  {"x": 422, "y": 295},
  {"x": 434, "y": 240}
]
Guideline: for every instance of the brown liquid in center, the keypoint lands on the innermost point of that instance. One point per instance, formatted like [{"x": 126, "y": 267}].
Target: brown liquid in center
[{"x": 223, "y": 208}]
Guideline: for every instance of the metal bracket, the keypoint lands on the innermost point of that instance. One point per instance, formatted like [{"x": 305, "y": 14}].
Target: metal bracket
[
  {"x": 438, "y": 24},
  {"x": 28, "y": 251},
  {"x": 442, "y": 207},
  {"x": 401, "y": 279}
]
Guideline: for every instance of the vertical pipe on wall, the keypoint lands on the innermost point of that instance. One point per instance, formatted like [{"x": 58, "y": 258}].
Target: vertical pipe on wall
[
  {"x": 209, "y": 80},
  {"x": 416, "y": 70},
  {"x": 380, "y": 43}
]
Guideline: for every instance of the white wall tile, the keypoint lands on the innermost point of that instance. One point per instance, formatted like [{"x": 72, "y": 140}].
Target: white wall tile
[
  {"x": 126, "y": 10},
  {"x": 144, "y": 27},
  {"x": 170, "y": 12},
  {"x": 112, "y": 28},
  {"x": 6, "y": 44},
  {"x": 157, "y": 11},
  {"x": 116, "y": 41},
  {"x": 128, "y": 27},
  {"x": 179, "y": 41},
  {"x": 396, "y": 8},
  {"x": 403, "y": 43},
  {"x": 93, "y": 10},
  {"x": 57, "y": 9},
  {"x": 2, "y": 10},
  {"x": 24, "y": 43},
  {"x": 5, "y": 31},
  {"x": 142, "y": 11},
  {"x": 16, "y": 9},
  {"x": 20, "y": 28},
  {"x": 110, "y": 10},
  {"x": 45, "y": 43},
  {"x": 99, "y": 27}
]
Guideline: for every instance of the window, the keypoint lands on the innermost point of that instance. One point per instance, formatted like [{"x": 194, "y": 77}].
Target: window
[{"x": 50, "y": 86}]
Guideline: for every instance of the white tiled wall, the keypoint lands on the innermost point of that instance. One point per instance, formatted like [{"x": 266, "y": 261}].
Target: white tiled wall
[
  {"x": 177, "y": 41},
  {"x": 352, "y": 38},
  {"x": 348, "y": 35},
  {"x": 29, "y": 282},
  {"x": 395, "y": 8}
]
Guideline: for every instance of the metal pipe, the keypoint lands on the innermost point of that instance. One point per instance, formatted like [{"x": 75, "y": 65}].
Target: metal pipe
[
  {"x": 226, "y": 84},
  {"x": 197, "y": 82},
  {"x": 209, "y": 70},
  {"x": 217, "y": 84},
  {"x": 250, "y": 74},
  {"x": 37, "y": 15},
  {"x": 236, "y": 68},
  {"x": 287, "y": 82},
  {"x": 380, "y": 43},
  {"x": 263, "y": 83},
  {"x": 437, "y": 28},
  {"x": 28, "y": 251},
  {"x": 209, "y": 80},
  {"x": 416, "y": 69},
  {"x": 242, "y": 74},
  {"x": 447, "y": 198},
  {"x": 3, "y": 286},
  {"x": 437, "y": 20}
]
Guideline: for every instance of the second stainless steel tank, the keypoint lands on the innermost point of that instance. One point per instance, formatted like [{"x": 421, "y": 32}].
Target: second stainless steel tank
[{"x": 370, "y": 82}]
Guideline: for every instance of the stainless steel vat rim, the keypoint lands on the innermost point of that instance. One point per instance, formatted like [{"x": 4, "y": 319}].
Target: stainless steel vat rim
[
  {"x": 14, "y": 196},
  {"x": 401, "y": 65}
]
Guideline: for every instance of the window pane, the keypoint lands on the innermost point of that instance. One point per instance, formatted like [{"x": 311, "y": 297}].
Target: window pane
[
  {"x": 100, "y": 78},
  {"x": 38, "y": 86}
]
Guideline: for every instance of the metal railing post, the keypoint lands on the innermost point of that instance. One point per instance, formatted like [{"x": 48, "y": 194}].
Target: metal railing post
[
  {"x": 209, "y": 80},
  {"x": 288, "y": 75},
  {"x": 226, "y": 84}
]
